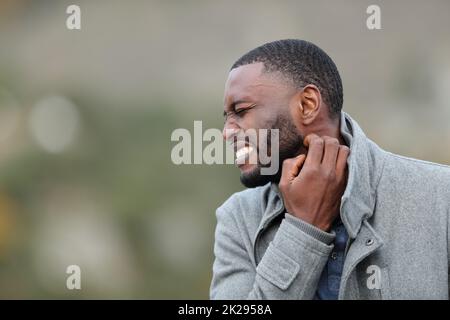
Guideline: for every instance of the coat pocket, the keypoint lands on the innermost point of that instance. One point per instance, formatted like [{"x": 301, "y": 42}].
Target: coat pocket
[{"x": 280, "y": 271}]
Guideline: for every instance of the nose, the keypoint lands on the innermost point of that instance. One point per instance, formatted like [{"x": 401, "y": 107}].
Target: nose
[{"x": 230, "y": 129}]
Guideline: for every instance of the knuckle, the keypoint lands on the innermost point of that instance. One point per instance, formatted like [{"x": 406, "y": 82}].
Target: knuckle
[
  {"x": 325, "y": 173},
  {"x": 331, "y": 141},
  {"x": 317, "y": 140},
  {"x": 311, "y": 171},
  {"x": 331, "y": 175},
  {"x": 311, "y": 136},
  {"x": 344, "y": 150}
]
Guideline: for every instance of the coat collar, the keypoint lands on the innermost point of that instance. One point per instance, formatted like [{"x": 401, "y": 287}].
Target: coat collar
[{"x": 365, "y": 165}]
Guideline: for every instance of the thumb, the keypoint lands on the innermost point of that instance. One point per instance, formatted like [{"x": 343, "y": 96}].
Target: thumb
[
  {"x": 299, "y": 160},
  {"x": 291, "y": 167}
]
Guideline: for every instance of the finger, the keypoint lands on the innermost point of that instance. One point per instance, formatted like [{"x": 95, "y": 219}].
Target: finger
[
  {"x": 315, "y": 146},
  {"x": 341, "y": 162},
  {"x": 308, "y": 138},
  {"x": 286, "y": 171},
  {"x": 298, "y": 165},
  {"x": 291, "y": 167},
  {"x": 331, "y": 150}
]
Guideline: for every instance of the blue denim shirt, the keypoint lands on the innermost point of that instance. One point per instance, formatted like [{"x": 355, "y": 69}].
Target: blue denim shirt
[{"x": 328, "y": 287}]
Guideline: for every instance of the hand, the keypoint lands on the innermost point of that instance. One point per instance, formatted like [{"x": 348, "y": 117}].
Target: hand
[{"x": 312, "y": 187}]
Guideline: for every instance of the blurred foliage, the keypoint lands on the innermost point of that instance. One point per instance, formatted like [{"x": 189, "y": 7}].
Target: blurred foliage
[{"x": 124, "y": 156}]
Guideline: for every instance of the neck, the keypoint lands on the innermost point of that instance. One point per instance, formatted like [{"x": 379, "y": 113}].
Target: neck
[{"x": 331, "y": 128}]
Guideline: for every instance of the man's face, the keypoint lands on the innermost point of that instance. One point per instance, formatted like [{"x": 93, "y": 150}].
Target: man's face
[{"x": 257, "y": 100}]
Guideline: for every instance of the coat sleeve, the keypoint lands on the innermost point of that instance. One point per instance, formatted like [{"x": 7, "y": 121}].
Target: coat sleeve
[{"x": 290, "y": 268}]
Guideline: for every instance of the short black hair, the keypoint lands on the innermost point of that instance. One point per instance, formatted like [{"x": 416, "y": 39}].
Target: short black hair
[{"x": 302, "y": 62}]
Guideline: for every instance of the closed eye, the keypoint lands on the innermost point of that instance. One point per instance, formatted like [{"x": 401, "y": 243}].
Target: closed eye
[{"x": 241, "y": 110}]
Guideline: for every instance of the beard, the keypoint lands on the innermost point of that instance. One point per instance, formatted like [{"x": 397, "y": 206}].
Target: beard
[{"x": 290, "y": 144}]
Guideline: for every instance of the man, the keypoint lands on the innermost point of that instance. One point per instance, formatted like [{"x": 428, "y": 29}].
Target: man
[{"x": 343, "y": 219}]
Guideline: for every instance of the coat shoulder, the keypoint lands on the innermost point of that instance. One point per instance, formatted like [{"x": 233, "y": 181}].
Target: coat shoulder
[
  {"x": 247, "y": 207},
  {"x": 421, "y": 174},
  {"x": 417, "y": 164},
  {"x": 250, "y": 200}
]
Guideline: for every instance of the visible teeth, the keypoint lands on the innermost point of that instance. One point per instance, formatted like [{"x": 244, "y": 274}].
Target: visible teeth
[{"x": 242, "y": 152}]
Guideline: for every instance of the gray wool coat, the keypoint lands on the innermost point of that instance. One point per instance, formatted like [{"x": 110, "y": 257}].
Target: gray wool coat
[{"x": 395, "y": 210}]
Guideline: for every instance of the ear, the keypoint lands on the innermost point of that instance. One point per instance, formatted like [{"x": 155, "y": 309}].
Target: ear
[{"x": 309, "y": 102}]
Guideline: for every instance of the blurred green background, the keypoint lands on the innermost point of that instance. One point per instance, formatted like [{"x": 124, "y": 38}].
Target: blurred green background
[{"x": 86, "y": 117}]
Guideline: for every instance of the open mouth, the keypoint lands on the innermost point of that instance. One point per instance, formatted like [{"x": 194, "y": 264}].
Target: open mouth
[{"x": 244, "y": 152}]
